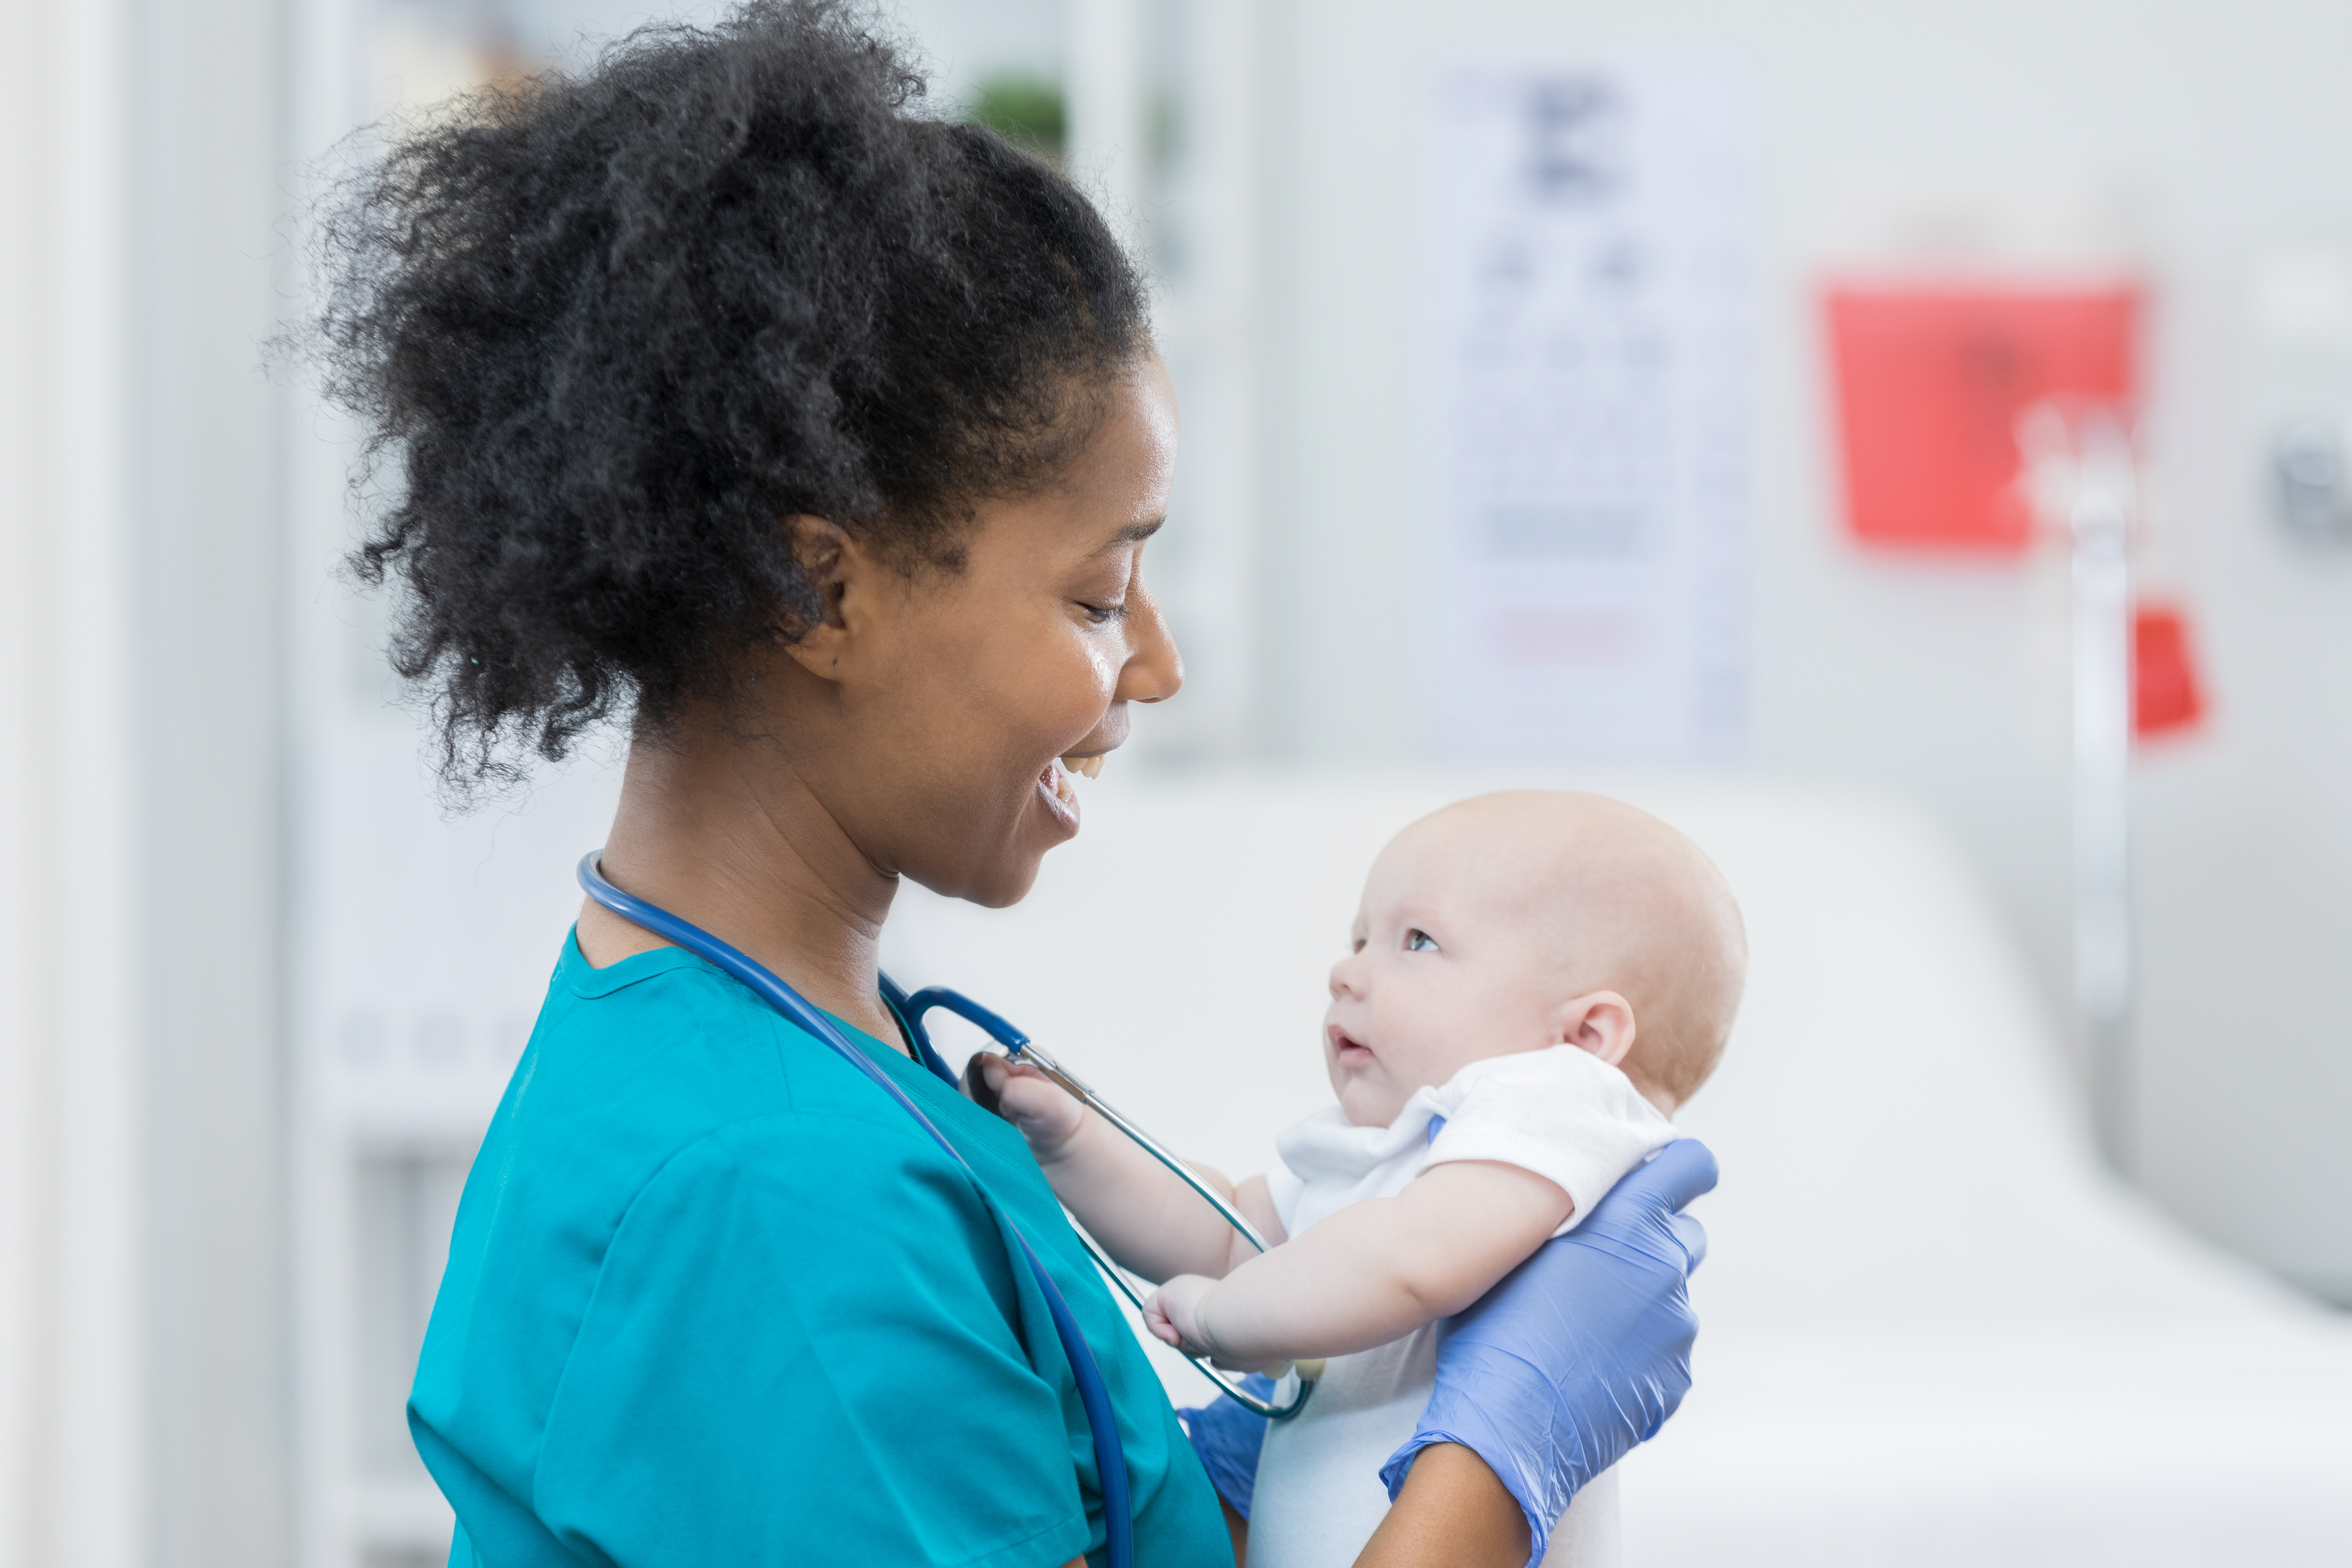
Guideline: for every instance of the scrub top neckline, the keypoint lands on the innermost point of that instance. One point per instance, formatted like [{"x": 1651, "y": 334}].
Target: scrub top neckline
[{"x": 586, "y": 980}]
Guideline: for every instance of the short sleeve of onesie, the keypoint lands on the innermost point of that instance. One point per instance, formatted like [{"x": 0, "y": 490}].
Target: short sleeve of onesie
[{"x": 1563, "y": 1113}]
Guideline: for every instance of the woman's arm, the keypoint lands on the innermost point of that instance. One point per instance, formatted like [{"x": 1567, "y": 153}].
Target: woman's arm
[{"x": 1453, "y": 1511}]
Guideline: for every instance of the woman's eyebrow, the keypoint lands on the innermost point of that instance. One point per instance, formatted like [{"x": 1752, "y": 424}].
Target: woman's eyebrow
[{"x": 1134, "y": 533}]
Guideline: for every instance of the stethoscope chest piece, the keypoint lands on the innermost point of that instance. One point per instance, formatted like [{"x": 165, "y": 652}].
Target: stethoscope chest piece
[{"x": 1019, "y": 1048}]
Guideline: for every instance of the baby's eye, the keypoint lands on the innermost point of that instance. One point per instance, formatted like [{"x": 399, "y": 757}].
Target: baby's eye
[
  {"x": 1355, "y": 944},
  {"x": 1420, "y": 941}
]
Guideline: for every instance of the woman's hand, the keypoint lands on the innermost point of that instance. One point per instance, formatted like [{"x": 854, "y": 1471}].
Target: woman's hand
[{"x": 1581, "y": 1353}]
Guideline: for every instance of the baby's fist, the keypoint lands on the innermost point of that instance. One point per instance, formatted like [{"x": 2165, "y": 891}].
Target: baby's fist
[
  {"x": 1172, "y": 1312},
  {"x": 1046, "y": 1116}
]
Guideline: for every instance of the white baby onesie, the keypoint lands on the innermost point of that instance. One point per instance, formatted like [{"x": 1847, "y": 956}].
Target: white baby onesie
[{"x": 1562, "y": 1113}]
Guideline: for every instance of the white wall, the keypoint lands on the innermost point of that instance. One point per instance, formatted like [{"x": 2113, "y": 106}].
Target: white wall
[
  {"x": 2223, "y": 127},
  {"x": 142, "y": 1393}
]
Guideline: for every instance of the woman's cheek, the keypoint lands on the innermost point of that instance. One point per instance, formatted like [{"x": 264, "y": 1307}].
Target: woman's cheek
[
  {"x": 1085, "y": 681},
  {"x": 1107, "y": 660}
]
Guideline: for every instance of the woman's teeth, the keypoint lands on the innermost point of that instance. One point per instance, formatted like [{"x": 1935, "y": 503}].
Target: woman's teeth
[{"x": 1056, "y": 775}]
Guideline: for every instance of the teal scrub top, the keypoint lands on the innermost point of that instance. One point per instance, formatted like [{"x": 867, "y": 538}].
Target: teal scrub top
[{"x": 713, "y": 1299}]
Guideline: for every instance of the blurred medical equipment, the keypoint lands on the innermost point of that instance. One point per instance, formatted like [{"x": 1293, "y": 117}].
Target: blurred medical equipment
[
  {"x": 1932, "y": 378},
  {"x": 1937, "y": 1330},
  {"x": 1983, "y": 413},
  {"x": 2302, "y": 366},
  {"x": 2081, "y": 478},
  {"x": 1585, "y": 310}
]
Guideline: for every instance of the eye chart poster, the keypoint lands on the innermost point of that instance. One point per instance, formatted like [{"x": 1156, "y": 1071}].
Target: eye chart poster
[{"x": 1586, "y": 312}]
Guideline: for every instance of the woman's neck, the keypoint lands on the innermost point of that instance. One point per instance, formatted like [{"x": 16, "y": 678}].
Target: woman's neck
[{"x": 721, "y": 830}]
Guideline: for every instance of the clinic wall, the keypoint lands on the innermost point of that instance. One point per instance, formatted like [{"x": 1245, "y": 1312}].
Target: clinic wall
[
  {"x": 2220, "y": 127},
  {"x": 142, "y": 1328},
  {"x": 209, "y": 279},
  {"x": 27, "y": 1000}
]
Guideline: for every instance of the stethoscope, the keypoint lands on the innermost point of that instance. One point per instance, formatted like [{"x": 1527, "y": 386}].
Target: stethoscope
[{"x": 1110, "y": 1459}]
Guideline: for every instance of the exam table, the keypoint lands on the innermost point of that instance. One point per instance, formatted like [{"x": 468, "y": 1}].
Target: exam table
[{"x": 1935, "y": 1331}]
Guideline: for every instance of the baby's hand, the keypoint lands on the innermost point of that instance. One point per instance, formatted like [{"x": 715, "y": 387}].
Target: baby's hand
[
  {"x": 1047, "y": 1115},
  {"x": 1178, "y": 1314},
  {"x": 1172, "y": 1312}
]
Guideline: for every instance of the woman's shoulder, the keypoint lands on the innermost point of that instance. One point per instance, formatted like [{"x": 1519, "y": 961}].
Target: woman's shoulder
[
  {"x": 671, "y": 1028},
  {"x": 634, "y": 1065}
]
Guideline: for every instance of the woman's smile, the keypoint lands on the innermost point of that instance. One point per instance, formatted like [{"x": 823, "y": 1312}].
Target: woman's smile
[{"x": 1061, "y": 800}]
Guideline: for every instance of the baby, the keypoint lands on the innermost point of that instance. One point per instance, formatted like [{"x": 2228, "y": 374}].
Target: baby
[{"x": 1537, "y": 981}]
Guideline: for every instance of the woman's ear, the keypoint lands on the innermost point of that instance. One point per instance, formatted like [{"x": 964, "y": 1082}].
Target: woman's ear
[
  {"x": 1600, "y": 1022},
  {"x": 844, "y": 593}
]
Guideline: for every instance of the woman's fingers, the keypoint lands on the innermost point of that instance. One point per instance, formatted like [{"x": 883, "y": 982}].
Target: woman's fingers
[
  {"x": 1641, "y": 1213},
  {"x": 1683, "y": 1171},
  {"x": 1692, "y": 1236},
  {"x": 1582, "y": 1351}
]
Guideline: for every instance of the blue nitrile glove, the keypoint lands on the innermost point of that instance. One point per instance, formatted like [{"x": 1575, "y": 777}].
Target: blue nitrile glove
[
  {"x": 1581, "y": 1351},
  {"x": 1227, "y": 1434}
]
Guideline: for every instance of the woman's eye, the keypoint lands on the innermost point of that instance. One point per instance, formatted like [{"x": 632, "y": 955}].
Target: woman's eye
[
  {"x": 1420, "y": 941},
  {"x": 1102, "y": 615}
]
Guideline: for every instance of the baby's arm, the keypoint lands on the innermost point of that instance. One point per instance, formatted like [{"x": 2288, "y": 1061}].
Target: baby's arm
[
  {"x": 1148, "y": 1220},
  {"x": 1370, "y": 1273}
]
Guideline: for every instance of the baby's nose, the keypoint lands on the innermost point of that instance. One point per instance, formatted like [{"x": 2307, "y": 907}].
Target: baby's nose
[{"x": 1343, "y": 978}]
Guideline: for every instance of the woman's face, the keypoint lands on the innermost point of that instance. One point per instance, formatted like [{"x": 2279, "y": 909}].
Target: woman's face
[{"x": 966, "y": 685}]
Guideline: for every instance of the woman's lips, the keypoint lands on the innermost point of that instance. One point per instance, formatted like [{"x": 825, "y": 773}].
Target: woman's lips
[
  {"x": 1054, "y": 783},
  {"x": 1061, "y": 800}
]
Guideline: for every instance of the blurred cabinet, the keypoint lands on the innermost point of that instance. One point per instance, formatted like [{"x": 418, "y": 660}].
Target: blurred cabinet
[{"x": 421, "y": 944}]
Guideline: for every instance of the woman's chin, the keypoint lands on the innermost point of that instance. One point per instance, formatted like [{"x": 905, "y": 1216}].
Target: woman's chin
[{"x": 1003, "y": 887}]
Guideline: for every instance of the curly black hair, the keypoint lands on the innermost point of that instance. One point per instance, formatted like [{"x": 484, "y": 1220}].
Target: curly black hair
[{"x": 606, "y": 331}]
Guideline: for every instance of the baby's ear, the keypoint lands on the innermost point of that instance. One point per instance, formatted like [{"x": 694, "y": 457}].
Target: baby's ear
[{"x": 1600, "y": 1022}]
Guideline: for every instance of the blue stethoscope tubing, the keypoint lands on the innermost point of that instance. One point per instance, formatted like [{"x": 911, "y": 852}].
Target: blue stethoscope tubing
[{"x": 1110, "y": 1458}]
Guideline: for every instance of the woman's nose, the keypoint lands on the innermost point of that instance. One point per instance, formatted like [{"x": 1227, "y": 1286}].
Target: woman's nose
[{"x": 1154, "y": 670}]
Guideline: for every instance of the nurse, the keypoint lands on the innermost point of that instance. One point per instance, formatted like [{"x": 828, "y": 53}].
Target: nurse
[{"x": 822, "y": 442}]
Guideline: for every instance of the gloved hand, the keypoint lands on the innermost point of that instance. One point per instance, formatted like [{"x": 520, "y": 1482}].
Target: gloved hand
[
  {"x": 1582, "y": 1351},
  {"x": 1227, "y": 1434}
]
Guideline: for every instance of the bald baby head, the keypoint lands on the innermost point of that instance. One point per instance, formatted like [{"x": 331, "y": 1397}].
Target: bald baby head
[{"x": 1608, "y": 899}]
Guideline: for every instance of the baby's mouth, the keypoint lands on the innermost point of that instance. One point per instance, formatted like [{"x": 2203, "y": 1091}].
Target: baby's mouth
[{"x": 1345, "y": 1049}]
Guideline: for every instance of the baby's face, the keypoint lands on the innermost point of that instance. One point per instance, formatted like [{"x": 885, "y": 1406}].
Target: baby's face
[{"x": 1447, "y": 969}]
